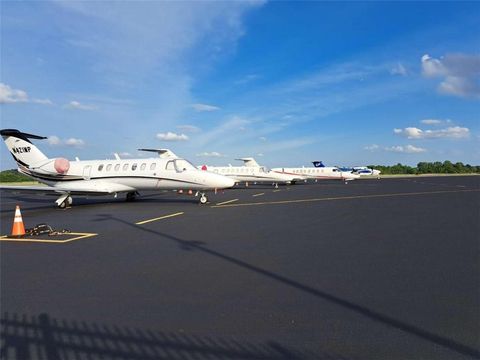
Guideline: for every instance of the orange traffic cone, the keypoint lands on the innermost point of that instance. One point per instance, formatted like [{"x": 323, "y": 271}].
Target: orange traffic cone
[
  {"x": 18, "y": 229},
  {"x": 190, "y": 192}
]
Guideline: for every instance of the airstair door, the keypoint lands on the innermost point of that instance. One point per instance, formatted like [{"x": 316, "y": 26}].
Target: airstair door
[{"x": 86, "y": 172}]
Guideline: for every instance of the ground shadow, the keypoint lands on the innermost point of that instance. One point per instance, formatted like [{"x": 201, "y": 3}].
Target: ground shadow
[
  {"x": 44, "y": 337},
  {"x": 349, "y": 305}
]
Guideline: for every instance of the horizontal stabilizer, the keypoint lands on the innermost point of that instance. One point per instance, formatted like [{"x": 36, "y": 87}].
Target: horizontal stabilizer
[
  {"x": 162, "y": 153},
  {"x": 21, "y": 135}
]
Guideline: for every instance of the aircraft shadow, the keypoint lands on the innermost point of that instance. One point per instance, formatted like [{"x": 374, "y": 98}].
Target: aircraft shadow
[
  {"x": 387, "y": 320},
  {"x": 27, "y": 337}
]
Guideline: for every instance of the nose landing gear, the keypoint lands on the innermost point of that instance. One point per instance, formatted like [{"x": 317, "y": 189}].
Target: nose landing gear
[{"x": 203, "y": 199}]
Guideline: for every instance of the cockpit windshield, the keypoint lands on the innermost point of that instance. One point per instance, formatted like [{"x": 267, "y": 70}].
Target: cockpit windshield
[
  {"x": 183, "y": 165},
  {"x": 264, "y": 169}
]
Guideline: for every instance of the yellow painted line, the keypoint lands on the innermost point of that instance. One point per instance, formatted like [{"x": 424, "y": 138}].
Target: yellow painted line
[
  {"x": 78, "y": 236},
  {"x": 227, "y": 202},
  {"x": 347, "y": 198},
  {"x": 159, "y": 218},
  {"x": 258, "y": 194}
]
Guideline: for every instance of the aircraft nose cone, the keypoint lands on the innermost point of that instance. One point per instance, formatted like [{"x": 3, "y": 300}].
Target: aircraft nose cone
[{"x": 227, "y": 182}]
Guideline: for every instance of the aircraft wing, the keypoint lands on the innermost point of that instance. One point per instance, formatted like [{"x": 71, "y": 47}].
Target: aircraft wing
[{"x": 77, "y": 189}]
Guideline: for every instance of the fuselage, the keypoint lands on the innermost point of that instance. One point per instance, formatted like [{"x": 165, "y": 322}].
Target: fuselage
[
  {"x": 318, "y": 173},
  {"x": 126, "y": 175},
  {"x": 251, "y": 174}
]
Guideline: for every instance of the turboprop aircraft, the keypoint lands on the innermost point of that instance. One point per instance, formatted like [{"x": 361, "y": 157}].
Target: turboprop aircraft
[
  {"x": 104, "y": 177},
  {"x": 251, "y": 171},
  {"x": 318, "y": 172},
  {"x": 365, "y": 171}
]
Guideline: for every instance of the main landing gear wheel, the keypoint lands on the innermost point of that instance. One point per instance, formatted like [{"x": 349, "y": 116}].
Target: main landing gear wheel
[
  {"x": 203, "y": 199},
  {"x": 131, "y": 196},
  {"x": 64, "y": 201}
]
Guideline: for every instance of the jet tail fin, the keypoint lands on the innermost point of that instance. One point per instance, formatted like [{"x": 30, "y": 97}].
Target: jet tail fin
[
  {"x": 249, "y": 162},
  {"x": 21, "y": 148},
  {"x": 318, "y": 164}
]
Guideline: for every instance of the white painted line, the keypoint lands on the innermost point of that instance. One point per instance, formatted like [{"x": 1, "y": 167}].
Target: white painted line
[
  {"x": 227, "y": 202},
  {"x": 159, "y": 218},
  {"x": 260, "y": 194}
]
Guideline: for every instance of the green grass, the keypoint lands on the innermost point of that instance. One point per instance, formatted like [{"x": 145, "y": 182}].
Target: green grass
[{"x": 10, "y": 176}]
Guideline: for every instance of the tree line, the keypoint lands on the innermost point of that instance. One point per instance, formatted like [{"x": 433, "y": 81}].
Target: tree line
[{"x": 437, "y": 167}]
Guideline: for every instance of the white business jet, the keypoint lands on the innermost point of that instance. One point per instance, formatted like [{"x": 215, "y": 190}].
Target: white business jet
[
  {"x": 104, "y": 177},
  {"x": 318, "y": 172},
  {"x": 251, "y": 171}
]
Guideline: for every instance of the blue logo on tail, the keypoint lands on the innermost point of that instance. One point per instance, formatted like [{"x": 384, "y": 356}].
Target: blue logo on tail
[{"x": 318, "y": 164}]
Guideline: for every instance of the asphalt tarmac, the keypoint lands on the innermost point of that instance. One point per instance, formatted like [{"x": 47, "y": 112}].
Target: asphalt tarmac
[{"x": 376, "y": 269}]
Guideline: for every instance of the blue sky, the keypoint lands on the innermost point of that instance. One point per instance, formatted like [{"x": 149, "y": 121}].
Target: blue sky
[{"x": 285, "y": 82}]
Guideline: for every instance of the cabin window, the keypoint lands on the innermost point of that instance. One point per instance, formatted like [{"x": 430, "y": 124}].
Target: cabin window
[
  {"x": 100, "y": 167},
  {"x": 125, "y": 167},
  {"x": 143, "y": 166},
  {"x": 117, "y": 167},
  {"x": 170, "y": 165},
  {"x": 134, "y": 167},
  {"x": 152, "y": 166},
  {"x": 109, "y": 167}
]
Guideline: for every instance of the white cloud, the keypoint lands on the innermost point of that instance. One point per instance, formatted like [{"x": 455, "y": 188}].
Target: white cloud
[
  {"x": 247, "y": 79},
  {"x": 409, "y": 149},
  {"x": 224, "y": 132},
  {"x": 54, "y": 140},
  {"x": 435, "y": 121},
  {"x": 43, "y": 101},
  {"x": 170, "y": 33},
  {"x": 460, "y": 73},
  {"x": 189, "y": 128},
  {"x": 125, "y": 154},
  {"x": 372, "y": 147},
  {"x": 210, "y": 154},
  {"x": 9, "y": 95},
  {"x": 74, "y": 142},
  {"x": 204, "y": 107},
  {"x": 453, "y": 132},
  {"x": 78, "y": 106},
  {"x": 170, "y": 136},
  {"x": 262, "y": 138},
  {"x": 399, "y": 69}
]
